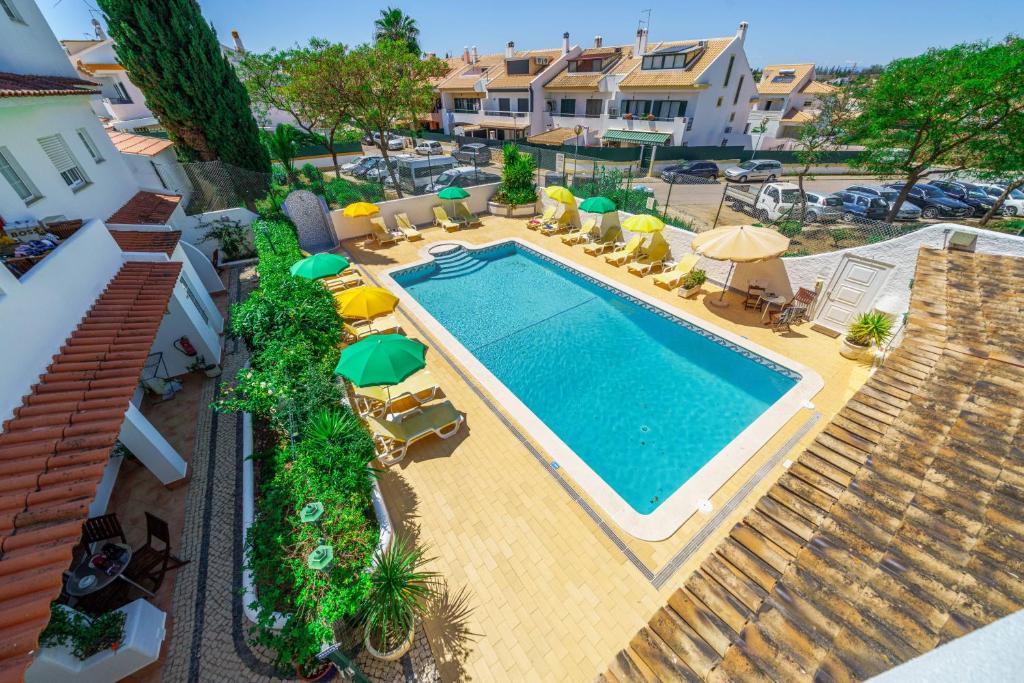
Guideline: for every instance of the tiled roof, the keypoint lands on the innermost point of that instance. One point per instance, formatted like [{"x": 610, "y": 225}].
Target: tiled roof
[
  {"x": 676, "y": 78},
  {"x": 503, "y": 81},
  {"x": 54, "y": 450},
  {"x": 567, "y": 80},
  {"x": 146, "y": 208},
  {"x": 818, "y": 88},
  {"x": 24, "y": 85},
  {"x": 130, "y": 143},
  {"x": 452, "y": 63},
  {"x": 796, "y": 116},
  {"x": 163, "y": 241},
  {"x": 75, "y": 46},
  {"x": 555, "y": 136},
  {"x": 462, "y": 79},
  {"x": 769, "y": 86},
  {"x": 93, "y": 68},
  {"x": 900, "y": 527}
]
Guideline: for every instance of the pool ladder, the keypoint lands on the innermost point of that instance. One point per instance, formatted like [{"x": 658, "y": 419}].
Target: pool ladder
[{"x": 456, "y": 262}]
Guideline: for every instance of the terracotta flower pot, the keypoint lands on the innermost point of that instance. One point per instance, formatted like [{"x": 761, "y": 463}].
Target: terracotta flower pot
[
  {"x": 847, "y": 349},
  {"x": 393, "y": 655}
]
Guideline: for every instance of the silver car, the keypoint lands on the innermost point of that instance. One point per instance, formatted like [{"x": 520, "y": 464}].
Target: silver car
[
  {"x": 822, "y": 208},
  {"x": 755, "y": 169},
  {"x": 907, "y": 212}
]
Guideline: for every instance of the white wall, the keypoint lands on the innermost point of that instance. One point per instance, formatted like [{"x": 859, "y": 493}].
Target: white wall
[
  {"x": 23, "y": 120},
  {"x": 710, "y": 120},
  {"x": 38, "y": 312},
  {"x": 193, "y": 230},
  {"x": 419, "y": 210},
  {"x": 171, "y": 177},
  {"x": 31, "y": 48},
  {"x": 183, "y": 319}
]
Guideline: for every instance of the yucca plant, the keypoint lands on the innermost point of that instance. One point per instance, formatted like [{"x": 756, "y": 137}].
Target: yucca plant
[
  {"x": 330, "y": 425},
  {"x": 871, "y": 328},
  {"x": 400, "y": 591}
]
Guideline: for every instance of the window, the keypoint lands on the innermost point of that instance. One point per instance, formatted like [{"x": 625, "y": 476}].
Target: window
[
  {"x": 739, "y": 86},
  {"x": 728, "y": 70},
  {"x": 732, "y": 117},
  {"x": 83, "y": 135},
  {"x": 122, "y": 93},
  {"x": 15, "y": 175},
  {"x": 746, "y": 129},
  {"x": 64, "y": 161},
  {"x": 568, "y": 108},
  {"x": 668, "y": 109},
  {"x": 504, "y": 104},
  {"x": 586, "y": 65},
  {"x": 728, "y": 129},
  {"x": 678, "y": 61},
  {"x": 523, "y": 104},
  {"x": 636, "y": 107},
  {"x": 517, "y": 67},
  {"x": 467, "y": 104},
  {"x": 719, "y": 103},
  {"x": 11, "y": 11},
  {"x": 594, "y": 108},
  {"x": 159, "y": 175}
]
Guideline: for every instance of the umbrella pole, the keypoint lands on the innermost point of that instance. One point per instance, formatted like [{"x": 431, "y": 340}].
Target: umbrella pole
[{"x": 720, "y": 301}]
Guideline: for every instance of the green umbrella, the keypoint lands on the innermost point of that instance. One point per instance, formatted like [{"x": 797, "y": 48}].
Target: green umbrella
[
  {"x": 381, "y": 360},
  {"x": 453, "y": 193},
  {"x": 598, "y": 205},
  {"x": 319, "y": 265}
]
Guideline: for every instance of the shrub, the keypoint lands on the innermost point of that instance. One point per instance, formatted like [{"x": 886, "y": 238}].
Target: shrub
[
  {"x": 871, "y": 328},
  {"x": 517, "y": 177},
  {"x": 695, "y": 278},
  {"x": 342, "y": 191},
  {"x": 789, "y": 229},
  {"x": 84, "y": 636}
]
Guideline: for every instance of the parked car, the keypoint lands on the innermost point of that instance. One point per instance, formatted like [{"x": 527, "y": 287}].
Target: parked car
[
  {"x": 395, "y": 142},
  {"x": 908, "y": 210},
  {"x": 861, "y": 205},
  {"x": 934, "y": 202},
  {"x": 431, "y": 147},
  {"x": 678, "y": 173},
  {"x": 767, "y": 202},
  {"x": 822, "y": 207},
  {"x": 474, "y": 153},
  {"x": 366, "y": 165},
  {"x": 968, "y": 193},
  {"x": 417, "y": 174},
  {"x": 352, "y": 165},
  {"x": 379, "y": 172},
  {"x": 462, "y": 176},
  {"x": 757, "y": 169},
  {"x": 1013, "y": 205}
]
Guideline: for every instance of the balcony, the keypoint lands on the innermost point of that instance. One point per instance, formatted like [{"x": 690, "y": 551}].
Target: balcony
[
  {"x": 32, "y": 245},
  {"x": 117, "y": 100}
]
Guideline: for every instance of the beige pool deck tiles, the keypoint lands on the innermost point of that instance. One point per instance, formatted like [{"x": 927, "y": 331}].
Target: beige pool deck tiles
[{"x": 536, "y": 590}]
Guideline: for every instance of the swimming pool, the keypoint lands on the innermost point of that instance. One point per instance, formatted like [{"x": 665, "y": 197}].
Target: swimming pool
[{"x": 640, "y": 397}]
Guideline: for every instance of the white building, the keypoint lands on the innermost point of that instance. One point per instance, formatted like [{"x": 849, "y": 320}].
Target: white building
[{"x": 788, "y": 96}]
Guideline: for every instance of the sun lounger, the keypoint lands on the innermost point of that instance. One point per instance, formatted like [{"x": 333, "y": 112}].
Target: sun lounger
[
  {"x": 606, "y": 242},
  {"x": 364, "y": 328},
  {"x": 406, "y": 227},
  {"x": 627, "y": 253},
  {"x": 581, "y": 235},
  {"x": 463, "y": 213},
  {"x": 393, "y": 437},
  {"x": 382, "y": 233},
  {"x": 420, "y": 387},
  {"x": 569, "y": 219},
  {"x": 652, "y": 258},
  {"x": 674, "y": 276},
  {"x": 342, "y": 281},
  {"x": 547, "y": 217},
  {"x": 441, "y": 220}
]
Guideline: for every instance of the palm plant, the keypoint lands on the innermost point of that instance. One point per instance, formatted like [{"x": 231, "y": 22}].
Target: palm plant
[
  {"x": 400, "y": 591},
  {"x": 871, "y": 328},
  {"x": 283, "y": 145},
  {"x": 396, "y": 25}
]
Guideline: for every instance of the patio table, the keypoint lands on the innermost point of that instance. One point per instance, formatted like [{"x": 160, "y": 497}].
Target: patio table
[
  {"x": 78, "y": 585},
  {"x": 769, "y": 299}
]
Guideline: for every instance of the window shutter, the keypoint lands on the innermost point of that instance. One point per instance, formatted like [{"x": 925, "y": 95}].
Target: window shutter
[{"x": 58, "y": 151}]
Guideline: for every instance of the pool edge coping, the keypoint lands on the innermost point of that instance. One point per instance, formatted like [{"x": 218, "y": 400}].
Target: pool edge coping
[{"x": 682, "y": 504}]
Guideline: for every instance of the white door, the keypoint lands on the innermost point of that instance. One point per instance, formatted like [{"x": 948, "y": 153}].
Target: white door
[{"x": 852, "y": 290}]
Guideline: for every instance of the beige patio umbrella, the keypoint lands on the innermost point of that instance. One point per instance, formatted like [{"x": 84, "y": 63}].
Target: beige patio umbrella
[{"x": 739, "y": 244}]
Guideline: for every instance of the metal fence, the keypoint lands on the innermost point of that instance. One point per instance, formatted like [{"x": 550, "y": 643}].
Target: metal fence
[{"x": 217, "y": 185}]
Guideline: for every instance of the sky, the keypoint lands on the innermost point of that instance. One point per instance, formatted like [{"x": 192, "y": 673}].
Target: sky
[{"x": 826, "y": 32}]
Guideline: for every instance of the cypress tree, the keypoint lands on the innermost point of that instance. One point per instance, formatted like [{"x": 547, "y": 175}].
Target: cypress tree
[{"x": 174, "y": 57}]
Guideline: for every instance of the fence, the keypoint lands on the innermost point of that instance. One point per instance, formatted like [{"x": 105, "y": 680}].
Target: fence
[{"x": 218, "y": 186}]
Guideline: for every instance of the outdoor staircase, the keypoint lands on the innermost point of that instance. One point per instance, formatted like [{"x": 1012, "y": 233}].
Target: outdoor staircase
[{"x": 456, "y": 263}]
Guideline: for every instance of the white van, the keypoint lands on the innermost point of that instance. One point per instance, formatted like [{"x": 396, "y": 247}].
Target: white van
[{"x": 416, "y": 174}]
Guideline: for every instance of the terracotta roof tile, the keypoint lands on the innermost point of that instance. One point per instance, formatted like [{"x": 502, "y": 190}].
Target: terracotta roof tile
[
  {"x": 899, "y": 528},
  {"x": 26, "y": 85},
  {"x": 163, "y": 241},
  {"x": 54, "y": 450},
  {"x": 770, "y": 83},
  {"x": 146, "y": 208},
  {"x": 567, "y": 80},
  {"x": 501, "y": 80},
  {"x": 818, "y": 88},
  {"x": 676, "y": 78},
  {"x": 145, "y": 145}
]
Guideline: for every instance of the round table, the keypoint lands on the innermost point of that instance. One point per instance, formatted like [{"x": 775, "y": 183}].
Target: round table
[
  {"x": 102, "y": 579},
  {"x": 770, "y": 300}
]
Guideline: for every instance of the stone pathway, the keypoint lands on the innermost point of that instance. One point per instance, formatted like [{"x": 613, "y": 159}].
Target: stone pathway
[{"x": 209, "y": 636}]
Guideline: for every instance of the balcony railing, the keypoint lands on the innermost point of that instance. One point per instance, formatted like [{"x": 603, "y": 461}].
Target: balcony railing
[
  {"x": 494, "y": 112},
  {"x": 614, "y": 114},
  {"x": 576, "y": 116},
  {"x": 117, "y": 100},
  {"x": 21, "y": 257}
]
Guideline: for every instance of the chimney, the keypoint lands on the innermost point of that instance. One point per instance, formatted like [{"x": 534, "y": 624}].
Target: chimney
[
  {"x": 640, "y": 46},
  {"x": 565, "y": 43},
  {"x": 741, "y": 34},
  {"x": 598, "y": 41},
  {"x": 465, "y": 55},
  {"x": 238, "y": 42},
  {"x": 431, "y": 55},
  {"x": 476, "y": 57},
  {"x": 98, "y": 28},
  {"x": 510, "y": 50}
]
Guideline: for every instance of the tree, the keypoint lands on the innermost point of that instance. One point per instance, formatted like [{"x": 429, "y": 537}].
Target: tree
[
  {"x": 284, "y": 143},
  {"x": 1002, "y": 160},
  {"x": 399, "y": 27},
  {"x": 173, "y": 56},
  {"x": 922, "y": 114},
  {"x": 822, "y": 136}
]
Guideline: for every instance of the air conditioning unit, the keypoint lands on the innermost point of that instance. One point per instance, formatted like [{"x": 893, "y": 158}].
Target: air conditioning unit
[{"x": 543, "y": 60}]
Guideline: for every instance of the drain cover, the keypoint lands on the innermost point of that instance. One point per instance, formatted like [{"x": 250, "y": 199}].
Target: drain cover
[
  {"x": 644, "y": 428},
  {"x": 705, "y": 506}
]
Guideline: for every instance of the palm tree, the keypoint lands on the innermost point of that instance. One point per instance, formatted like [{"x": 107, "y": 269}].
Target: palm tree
[
  {"x": 283, "y": 145},
  {"x": 396, "y": 25}
]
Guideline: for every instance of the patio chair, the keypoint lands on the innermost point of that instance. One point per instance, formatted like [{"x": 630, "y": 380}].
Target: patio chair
[
  {"x": 102, "y": 528},
  {"x": 150, "y": 563},
  {"x": 360, "y": 329},
  {"x": 581, "y": 235},
  {"x": 382, "y": 233},
  {"x": 463, "y": 211},
  {"x": 441, "y": 220},
  {"x": 754, "y": 293},
  {"x": 653, "y": 257},
  {"x": 545, "y": 218},
  {"x": 787, "y": 317},
  {"x": 627, "y": 253},
  {"x": 420, "y": 387},
  {"x": 342, "y": 281},
  {"x": 569, "y": 219},
  {"x": 606, "y": 242},
  {"x": 393, "y": 437},
  {"x": 407, "y": 228},
  {"x": 673, "y": 277}
]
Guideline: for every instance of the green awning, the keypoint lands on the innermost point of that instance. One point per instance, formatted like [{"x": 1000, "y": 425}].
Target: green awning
[{"x": 637, "y": 137}]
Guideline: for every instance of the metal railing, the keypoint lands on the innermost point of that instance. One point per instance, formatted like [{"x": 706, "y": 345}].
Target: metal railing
[{"x": 117, "y": 100}]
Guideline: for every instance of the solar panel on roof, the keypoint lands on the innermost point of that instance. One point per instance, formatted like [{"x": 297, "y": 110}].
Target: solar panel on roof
[{"x": 677, "y": 49}]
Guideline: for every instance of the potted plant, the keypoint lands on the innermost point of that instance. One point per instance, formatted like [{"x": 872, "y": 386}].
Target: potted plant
[
  {"x": 692, "y": 282},
  {"x": 399, "y": 593},
  {"x": 627, "y": 116},
  {"x": 517, "y": 194},
  {"x": 208, "y": 369},
  {"x": 650, "y": 117},
  {"x": 82, "y": 636},
  {"x": 866, "y": 330}
]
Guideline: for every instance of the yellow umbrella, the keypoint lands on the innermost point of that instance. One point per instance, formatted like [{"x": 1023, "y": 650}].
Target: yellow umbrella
[
  {"x": 560, "y": 194},
  {"x": 365, "y": 303},
  {"x": 357, "y": 209},
  {"x": 739, "y": 244},
  {"x": 643, "y": 222}
]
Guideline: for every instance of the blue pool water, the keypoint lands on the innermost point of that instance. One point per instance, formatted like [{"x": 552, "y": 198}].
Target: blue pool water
[{"x": 644, "y": 399}]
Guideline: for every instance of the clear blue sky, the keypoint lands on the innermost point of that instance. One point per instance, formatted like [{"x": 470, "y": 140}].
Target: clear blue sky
[{"x": 823, "y": 32}]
